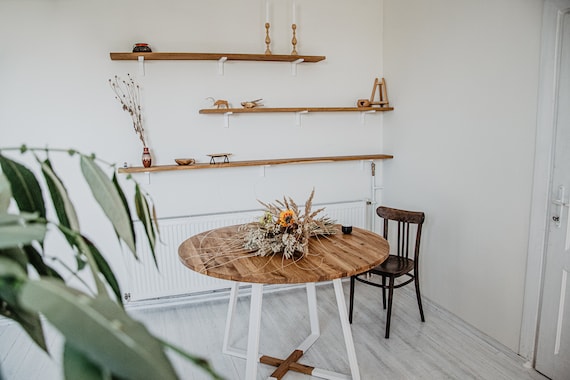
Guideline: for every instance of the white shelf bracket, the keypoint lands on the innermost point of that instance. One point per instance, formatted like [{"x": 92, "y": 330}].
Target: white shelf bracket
[
  {"x": 221, "y": 65},
  {"x": 262, "y": 170},
  {"x": 227, "y": 119},
  {"x": 298, "y": 117},
  {"x": 141, "y": 65},
  {"x": 294, "y": 66},
  {"x": 148, "y": 178},
  {"x": 363, "y": 114}
]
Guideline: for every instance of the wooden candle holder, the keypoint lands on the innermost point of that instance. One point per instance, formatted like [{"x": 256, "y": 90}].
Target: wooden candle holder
[
  {"x": 294, "y": 39},
  {"x": 267, "y": 39}
]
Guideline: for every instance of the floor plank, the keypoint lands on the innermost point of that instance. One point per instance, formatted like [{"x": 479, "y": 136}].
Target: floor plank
[{"x": 441, "y": 348}]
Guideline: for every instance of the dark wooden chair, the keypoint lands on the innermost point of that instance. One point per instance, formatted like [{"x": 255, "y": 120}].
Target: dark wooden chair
[{"x": 396, "y": 265}]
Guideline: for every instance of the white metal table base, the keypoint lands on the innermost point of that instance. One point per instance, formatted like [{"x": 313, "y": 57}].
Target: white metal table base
[{"x": 252, "y": 355}]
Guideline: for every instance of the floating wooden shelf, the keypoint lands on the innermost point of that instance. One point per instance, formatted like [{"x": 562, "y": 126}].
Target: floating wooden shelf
[
  {"x": 216, "y": 57},
  {"x": 294, "y": 109},
  {"x": 280, "y": 161}
]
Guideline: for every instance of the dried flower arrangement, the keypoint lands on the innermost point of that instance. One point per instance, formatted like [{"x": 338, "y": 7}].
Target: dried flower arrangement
[
  {"x": 285, "y": 229},
  {"x": 128, "y": 93}
]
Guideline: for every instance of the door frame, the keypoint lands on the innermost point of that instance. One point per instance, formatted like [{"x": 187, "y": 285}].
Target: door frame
[{"x": 542, "y": 181}]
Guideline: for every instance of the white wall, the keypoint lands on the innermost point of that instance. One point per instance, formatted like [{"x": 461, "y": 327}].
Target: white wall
[
  {"x": 463, "y": 77},
  {"x": 54, "y": 68}
]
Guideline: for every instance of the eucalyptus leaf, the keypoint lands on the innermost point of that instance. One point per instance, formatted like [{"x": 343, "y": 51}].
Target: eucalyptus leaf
[
  {"x": 200, "y": 362},
  {"x": 105, "y": 270},
  {"x": 26, "y": 190},
  {"x": 109, "y": 199},
  {"x": 126, "y": 205},
  {"x": 37, "y": 261},
  {"x": 143, "y": 212},
  {"x": 21, "y": 218},
  {"x": 102, "y": 266},
  {"x": 85, "y": 254},
  {"x": 30, "y": 322},
  {"x": 5, "y": 193},
  {"x": 16, "y": 234},
  {"x": 17, "y": 255},
  {"x": 100, "y": 329},
  {"x": 12, "y": 276},
  {"x": 11, "y": 270},
  {"x": 63, "y": 206},
  {"x": 78, "y": 366}
]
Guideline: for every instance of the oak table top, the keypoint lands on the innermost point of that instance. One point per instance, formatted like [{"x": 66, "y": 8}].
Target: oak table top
[{"x": 217, "y": 253}]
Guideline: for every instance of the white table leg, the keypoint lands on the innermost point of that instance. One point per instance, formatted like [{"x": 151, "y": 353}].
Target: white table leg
[
  {"x": 226, "y": 349},
  {"x": 343, "y": 314},
  {"x": 313, "y": 318},
  {"x": 253, "y": 332}
]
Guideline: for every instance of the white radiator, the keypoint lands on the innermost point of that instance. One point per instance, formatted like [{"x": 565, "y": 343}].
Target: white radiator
[{"x": 172, "y": 278}]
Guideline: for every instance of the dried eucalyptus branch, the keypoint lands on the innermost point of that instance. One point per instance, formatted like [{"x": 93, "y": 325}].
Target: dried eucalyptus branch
[{"x": 128, "y": 93}]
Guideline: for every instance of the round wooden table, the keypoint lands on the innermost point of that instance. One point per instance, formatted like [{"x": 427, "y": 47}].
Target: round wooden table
[{"x": 217, "y": 253}]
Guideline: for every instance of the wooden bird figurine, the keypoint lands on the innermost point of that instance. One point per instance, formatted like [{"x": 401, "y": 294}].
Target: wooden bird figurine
[{"x": 251, "y": 103}]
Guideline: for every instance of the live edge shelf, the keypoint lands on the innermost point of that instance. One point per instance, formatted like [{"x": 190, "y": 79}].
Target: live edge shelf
[
  {"x": 294, "y": 109},
  {"x": 281, "y": 161},
  {"x": 217, "y": 57}
]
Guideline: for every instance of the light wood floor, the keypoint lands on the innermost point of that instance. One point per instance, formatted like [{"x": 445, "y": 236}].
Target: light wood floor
[{"x": 441, "y": 348}]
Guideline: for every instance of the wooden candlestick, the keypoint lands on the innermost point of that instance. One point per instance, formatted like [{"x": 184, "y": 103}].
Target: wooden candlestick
[
  {"x": 267, "y": 39},
  {"x": 294, "y": 40}
]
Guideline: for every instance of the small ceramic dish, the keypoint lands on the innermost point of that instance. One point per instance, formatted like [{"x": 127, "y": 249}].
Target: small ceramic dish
[{"x": 185, "y": 161}]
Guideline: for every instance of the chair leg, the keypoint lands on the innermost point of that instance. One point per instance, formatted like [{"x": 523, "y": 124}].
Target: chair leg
[
  {"x": 384, "y": 292},
  {"x": 389, "y": 314},
  {"x": 351, "y": 302},
  {"x": 419, "y": 297}
]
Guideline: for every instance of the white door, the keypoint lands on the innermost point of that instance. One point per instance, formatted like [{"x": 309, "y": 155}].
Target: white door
[{"x": 553, "y": 349}]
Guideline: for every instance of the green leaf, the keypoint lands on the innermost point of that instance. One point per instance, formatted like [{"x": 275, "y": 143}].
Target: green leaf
[
  {"x": 200, "y": 362},
  {"x": 37, "y": 261},
  {"x": 63, "y": 207},
  {"x": 100, "y": 329},
  {"x": 16, "y": 231},
  {"x": 125, "y": 205},
  {"x": 105, "y": 270},
  {"x": 109, "y": 199},
  {"x": 30, "y": 322},
  {"x": 25, "y": 187},
  {"x": 11, "y": 271},
  {"x": 17, "y": 255},
  {"x": 12, "y": 276},
  {"x": 78, "y": 366},
  {"x": 143, "y": 212},
  {"x": 5, "y": 193},
  {"x": 84, "y": 248}
]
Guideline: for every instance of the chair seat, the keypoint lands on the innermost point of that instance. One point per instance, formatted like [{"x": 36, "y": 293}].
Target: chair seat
[{"x": 394, "y": 266}]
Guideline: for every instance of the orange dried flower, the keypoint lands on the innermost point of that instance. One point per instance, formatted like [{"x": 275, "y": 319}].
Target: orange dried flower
[{"x": 287, "y": 218}]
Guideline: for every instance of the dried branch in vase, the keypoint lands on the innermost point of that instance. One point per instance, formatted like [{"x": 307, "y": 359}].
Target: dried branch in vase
[{"x": 129, "y": 95}]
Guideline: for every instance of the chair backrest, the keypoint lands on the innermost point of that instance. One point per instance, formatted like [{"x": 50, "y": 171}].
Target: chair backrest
[{"x": 404, "y": 219}]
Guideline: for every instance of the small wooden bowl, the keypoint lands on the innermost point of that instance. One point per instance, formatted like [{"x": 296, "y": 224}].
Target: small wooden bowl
[{"x": 185, "y": 161}]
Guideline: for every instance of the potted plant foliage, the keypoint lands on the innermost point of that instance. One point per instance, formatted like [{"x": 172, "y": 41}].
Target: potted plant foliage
[{"x": 101, "y": 340}]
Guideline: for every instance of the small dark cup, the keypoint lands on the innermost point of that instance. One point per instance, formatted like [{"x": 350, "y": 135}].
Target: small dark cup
[
  {"x": 141, "y": 48},
  {"x": 346, "y": 229}
]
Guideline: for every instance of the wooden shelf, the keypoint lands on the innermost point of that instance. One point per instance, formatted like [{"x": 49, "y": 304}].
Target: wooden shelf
[
  {"x": 216, "y": 57},
  {"x": 294, "y": 109},
  {"x": 280, "y": 161}
]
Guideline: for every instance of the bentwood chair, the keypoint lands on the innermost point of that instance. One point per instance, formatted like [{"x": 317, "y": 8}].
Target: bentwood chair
[{"x": 409, "y": 223}]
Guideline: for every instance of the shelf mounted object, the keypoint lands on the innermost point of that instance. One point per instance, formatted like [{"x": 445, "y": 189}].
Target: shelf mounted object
[
  {"x": 297, "y": 110},
  {"x": 270, "y": 162},
  {"x": 220, "y": 57}
]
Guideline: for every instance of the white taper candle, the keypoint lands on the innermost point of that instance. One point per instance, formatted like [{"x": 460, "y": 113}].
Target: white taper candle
[{"x": 294, "y": 12}]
